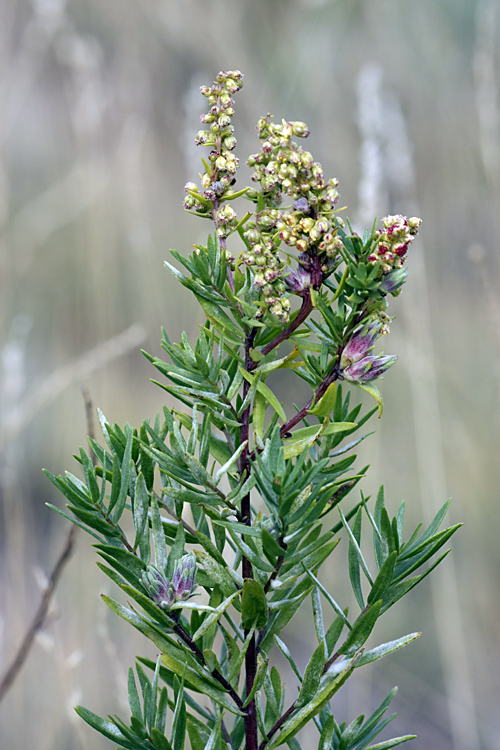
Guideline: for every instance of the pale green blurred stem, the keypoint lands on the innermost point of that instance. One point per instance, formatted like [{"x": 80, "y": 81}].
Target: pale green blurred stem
[{"x": 433, "y": 491}]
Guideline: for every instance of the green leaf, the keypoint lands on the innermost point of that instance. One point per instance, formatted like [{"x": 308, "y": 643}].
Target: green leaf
[
  {"x": 326, "y": 403},
  {"x": 329, "y": 598},
  {"x": 126, "y": 471},
  {"x": 305, "y": 437},
  {"x": 159, "y": 740},
  {"x": 221, "y": 321},
  {"x": 258, "y": 681},
  {"x": 127, "y": 560},
  {"x": 74, "y": 520},
  {"x": 147, "y": 465},
  {"x": 392, "y": 743},
  {"x": 328, "y": 687},
  {"x": 286, "y": 653},
  {"x": 373, "y": 391},
  {"x": 133, "y": 696},
  {"x": 253, "y": 605},
  {"x": 272, "y": 549},
  {"x": 383, "y": 580},
  {"x": 386, "y": 648},
  {"x": 177, "y": 550},
  {"x": 356, "y": 550},
  {"x": 266, "y": 392},
  {"x": 95, "y": 520},
  {"x": 361, "y": 630},
  {"x": 225, "y": 468},
  {"x": 195, "y": 738},
  {"x": 284, "y": 614},
  {"x": 237, "y": 661},
  {"x": 178, "y": 734},
  {"x": 214, "y": 616},
  {"x": 254, "y": 558},
  {"x": 105, "y": 727},
  {"x": 217, "y": 572},
  {"x": 200, "y": 684},
  {"x": 140, "y": 515},
  {"x": 312, "y": 676},
  {"x": 259, "y": 415},
  {"x": 214, "y": 734},
  {"x": 318, "y": 618},
  {"x": 325, "y": 739},
  {"x": 161, "y": 552}
]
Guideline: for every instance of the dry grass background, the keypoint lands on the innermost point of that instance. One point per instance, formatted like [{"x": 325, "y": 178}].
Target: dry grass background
[{"x": 99, "y": 103}]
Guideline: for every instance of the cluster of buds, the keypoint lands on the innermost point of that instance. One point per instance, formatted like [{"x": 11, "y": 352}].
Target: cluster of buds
[
  {"x": 262, "y": 256},
  {"x": 357, "y": 363},
  {"x": 282, "y": 168},
  {"x": 165, "y": 593},
  {"x": 222, "y": 164},
  {"x": 304, "y": 228},
  {"x": 393, "y": 241}
]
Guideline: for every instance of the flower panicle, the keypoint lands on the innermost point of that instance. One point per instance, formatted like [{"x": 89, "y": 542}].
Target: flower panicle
[
  {"x": 392, "y": 246},
  {"x": 222, "y": 164},
  {"x": 285, "y": 170}
]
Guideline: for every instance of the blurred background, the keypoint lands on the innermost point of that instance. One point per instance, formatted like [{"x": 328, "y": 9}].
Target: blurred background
[{"x": 99, "y": 104}]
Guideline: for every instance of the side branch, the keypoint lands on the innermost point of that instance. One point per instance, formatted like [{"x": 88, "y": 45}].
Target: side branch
[
  {"x": 181, "y": 633},
  {"x": 305, "y": 310}
]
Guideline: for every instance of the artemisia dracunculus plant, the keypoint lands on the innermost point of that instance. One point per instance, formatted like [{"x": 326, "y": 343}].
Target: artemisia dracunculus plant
[{"x": 237, "y": 497}]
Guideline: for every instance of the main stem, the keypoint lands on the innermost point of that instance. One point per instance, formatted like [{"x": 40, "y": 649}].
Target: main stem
[{"x": 251, "y": 733}]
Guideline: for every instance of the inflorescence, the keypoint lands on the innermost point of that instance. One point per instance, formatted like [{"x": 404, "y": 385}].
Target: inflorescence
[{"x": 295, "y": 210}]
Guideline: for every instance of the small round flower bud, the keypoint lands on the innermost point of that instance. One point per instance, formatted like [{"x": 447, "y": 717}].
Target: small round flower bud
[
  {"x": 229, "y": 142},
  {"x": 300, "y": 129}
]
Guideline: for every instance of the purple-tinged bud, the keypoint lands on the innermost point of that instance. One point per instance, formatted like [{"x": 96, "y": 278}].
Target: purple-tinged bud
[
  {"x": 300, "y": 129},
  {"x": 368, "y": 368},
  {"x": 360, "y": 344},
  {"x": 200, "y": 138},
  {"x": 302, "y": 205},
  {"x": 298, "y": 281},
  {"x": 393, "y": 281},
  {"x": 229, "y": 142},
  {"x": 183, "y": 577},
  {"x": 159, "y": 588}
]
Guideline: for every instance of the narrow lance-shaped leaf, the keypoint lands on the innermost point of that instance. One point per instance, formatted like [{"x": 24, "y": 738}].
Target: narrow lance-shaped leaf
[
  {"x": 253, "y": 605},
  {"x": 312, "y": 676},
  {"x": 161, "y": 552},
  {"x": 214, "y": 616}
]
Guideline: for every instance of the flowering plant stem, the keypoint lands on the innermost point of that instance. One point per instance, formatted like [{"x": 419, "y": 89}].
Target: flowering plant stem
[{"x": 235, "y": 503}]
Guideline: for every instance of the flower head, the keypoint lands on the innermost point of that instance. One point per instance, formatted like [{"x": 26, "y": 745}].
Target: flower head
[
  {"x": 357, "y": 364},
  {"x": 393, "y": 242},
  {"x": 183, "y": 577},
  {"x": 368, "y": 368},
  {"x": 159, "y": 588},
  {"x": 360, "y": 344},
  {"x": 165, "y": 593}
]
